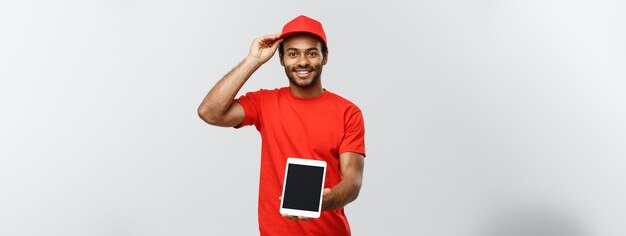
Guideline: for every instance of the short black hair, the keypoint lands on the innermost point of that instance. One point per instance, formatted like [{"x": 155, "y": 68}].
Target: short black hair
[{"x": 281, "y": 51}]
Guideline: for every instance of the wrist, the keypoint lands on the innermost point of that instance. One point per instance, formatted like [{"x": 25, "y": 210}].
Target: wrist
[
  {"x": 252, "y": 60},
  {"x": 328, "y": 200}
]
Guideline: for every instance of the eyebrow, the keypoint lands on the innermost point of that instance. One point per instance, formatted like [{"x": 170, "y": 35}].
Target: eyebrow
[{"x": 295, "y": 49}]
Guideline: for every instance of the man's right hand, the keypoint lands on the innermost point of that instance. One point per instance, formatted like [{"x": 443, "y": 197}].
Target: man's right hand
[
  {"x": 263, "y": 48},
  {"x": 219, "y": 107}
]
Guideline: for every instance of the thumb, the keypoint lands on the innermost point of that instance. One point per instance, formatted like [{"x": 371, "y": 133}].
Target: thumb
[
  {"x": 276, "y": 44},
  {"x": 327, "y": 191}
]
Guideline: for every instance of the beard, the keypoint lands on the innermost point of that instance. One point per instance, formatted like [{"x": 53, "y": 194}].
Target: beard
[{"x": 304, "y": 83}]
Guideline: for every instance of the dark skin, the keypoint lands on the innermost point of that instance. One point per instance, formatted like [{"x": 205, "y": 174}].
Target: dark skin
[
  {"x": 303, "y": 62},
  {"x": 347, "y": 190}
]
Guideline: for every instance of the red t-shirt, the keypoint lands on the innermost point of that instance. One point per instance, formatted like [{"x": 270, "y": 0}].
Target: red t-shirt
[{"x": 319, "y": 128}]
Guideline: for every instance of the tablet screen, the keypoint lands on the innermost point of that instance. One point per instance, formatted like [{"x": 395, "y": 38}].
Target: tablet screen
[{"x": 303, "y": 187}]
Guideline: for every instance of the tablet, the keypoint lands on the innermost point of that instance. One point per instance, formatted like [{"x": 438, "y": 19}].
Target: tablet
[{"x": 303, "y": 187}]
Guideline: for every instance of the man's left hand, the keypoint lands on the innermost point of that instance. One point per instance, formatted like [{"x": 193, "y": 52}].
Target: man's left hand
[{"x": 325, "y": 197}]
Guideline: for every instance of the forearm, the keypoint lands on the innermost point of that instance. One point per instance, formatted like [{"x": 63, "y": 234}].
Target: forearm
[
  {"x": 343, "y": 193},
  {"x": 222, "y": 95}
]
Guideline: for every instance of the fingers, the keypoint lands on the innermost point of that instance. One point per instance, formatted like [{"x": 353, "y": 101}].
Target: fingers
[
  {"x": 269, "y": 40},
  {"x": 290, "y": 217},
  {"x": 275, "y": 45},
  {"x": 300, "y": 218},
  {"x": 270, "y": 43},
  {"x": 270, "y": 37},
  {"x": 263, "y": 48}
]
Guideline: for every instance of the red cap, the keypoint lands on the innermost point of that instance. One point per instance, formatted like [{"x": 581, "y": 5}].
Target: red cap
[{"x": 303, "y": 24}]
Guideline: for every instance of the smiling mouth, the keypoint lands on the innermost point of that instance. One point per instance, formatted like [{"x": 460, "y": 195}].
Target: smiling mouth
[{"x": 303, "y": 73}]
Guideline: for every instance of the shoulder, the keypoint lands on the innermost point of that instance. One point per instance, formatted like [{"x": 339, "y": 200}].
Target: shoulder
[
  {"x": 343, "y": 102},
  {"x": 263, "y": 93}
]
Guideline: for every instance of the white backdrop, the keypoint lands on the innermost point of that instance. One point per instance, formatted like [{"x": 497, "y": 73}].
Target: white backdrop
[{"x": 482, "y": 117}]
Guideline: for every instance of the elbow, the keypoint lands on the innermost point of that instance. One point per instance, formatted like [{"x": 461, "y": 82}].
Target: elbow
[
  {"x": 356, "y": 193},
  {"x": 356, "y": 188},
  {"x": 207, "y": 116}
]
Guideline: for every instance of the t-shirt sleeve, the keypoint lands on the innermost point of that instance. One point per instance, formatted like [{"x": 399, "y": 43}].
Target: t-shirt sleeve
[
  {"x": 354, "y": 137},
  {"x": 250, "y": 103}
]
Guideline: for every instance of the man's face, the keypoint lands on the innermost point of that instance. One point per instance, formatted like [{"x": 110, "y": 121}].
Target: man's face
[{"x": 303, "y": 59}]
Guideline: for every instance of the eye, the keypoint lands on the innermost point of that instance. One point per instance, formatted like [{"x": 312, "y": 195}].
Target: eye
[
  {"x": 292, "y": 54},
  {"x": 312, "y": 54}
]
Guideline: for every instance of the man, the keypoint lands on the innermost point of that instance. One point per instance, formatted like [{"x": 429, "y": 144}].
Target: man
[{"x": 302, "y": 120}]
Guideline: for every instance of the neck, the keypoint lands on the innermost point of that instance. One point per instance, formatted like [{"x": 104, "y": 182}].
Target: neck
[{"x": 309, "y": 92}]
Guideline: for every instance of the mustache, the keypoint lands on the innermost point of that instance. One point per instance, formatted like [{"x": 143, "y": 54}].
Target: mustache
[{"x": 309, "y": 68}]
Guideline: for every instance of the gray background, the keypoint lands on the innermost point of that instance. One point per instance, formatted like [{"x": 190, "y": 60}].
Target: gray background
[{"x": 483, "y": 117}]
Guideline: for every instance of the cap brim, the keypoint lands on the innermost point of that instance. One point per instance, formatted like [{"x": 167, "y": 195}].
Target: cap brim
[{"x": 287, "y": 34}]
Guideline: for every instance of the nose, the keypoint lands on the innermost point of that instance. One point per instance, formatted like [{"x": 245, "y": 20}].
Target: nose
[{"x": 302, "y": 61}]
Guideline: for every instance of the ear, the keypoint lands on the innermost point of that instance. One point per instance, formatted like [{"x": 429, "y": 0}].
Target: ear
[
  {"x": 282, "y": 63},
  {"x": 325, "y": 59}
]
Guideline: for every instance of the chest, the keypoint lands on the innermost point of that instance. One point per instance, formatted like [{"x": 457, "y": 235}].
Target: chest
[{"x": 319, "y": 129}]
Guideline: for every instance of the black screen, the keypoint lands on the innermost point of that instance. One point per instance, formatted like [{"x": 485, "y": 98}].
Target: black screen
[{"x": 303, "y": 187}]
